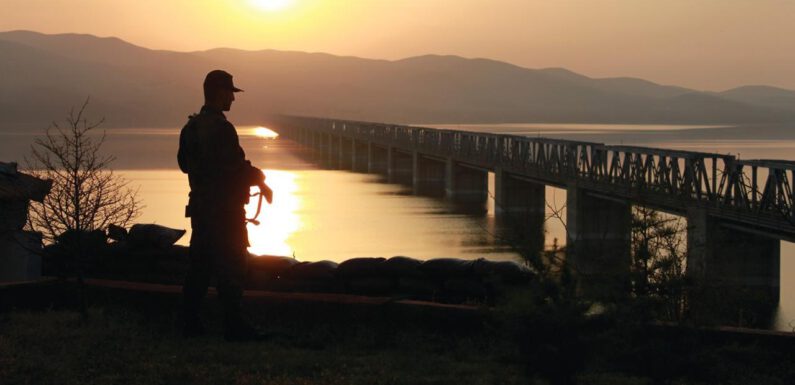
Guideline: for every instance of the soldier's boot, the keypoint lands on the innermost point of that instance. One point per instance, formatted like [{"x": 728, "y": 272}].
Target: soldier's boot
[
  {"x": 193, "y": 327},
  {"x": 236, "y": 327},
  {"x": 191, "y": 308}
]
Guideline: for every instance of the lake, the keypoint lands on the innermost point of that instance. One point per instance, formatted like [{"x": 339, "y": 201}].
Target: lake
[{"x": 336, "y": 215}]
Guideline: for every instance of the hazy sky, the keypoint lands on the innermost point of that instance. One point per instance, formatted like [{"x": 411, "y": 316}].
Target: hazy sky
[{"x": 703, "y": 44}]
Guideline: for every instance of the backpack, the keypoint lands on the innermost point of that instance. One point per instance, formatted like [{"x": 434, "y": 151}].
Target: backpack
[{"x": 187, "y": 144}]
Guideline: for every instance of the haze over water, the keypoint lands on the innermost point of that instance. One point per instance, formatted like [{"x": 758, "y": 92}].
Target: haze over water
[{"x": 335, "y": 215}]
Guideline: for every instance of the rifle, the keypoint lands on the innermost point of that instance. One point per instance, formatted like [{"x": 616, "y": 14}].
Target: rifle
[{"x": 267, "y": 193}]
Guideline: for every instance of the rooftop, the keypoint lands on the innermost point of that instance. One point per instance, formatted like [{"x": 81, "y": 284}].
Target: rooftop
[{"x": 15, "y": 185}]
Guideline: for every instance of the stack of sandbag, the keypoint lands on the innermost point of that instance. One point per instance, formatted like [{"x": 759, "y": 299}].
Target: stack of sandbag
[
  {"x": 153, "y": 237},
  {"x": 454, "y": 279},
  {"x": 309, "y": 276},
  {"x": 146, "y": 250},
  {"x": 457, "y": 280},
  {"x": 443, "y": 279},
  {"x": 74, "y": 252},
  {"x": 410, "y": 281},
  {"x": 365, "y": 276},
  {"x": 501, "y": 272},
  {"x": 265, "y": 271}
]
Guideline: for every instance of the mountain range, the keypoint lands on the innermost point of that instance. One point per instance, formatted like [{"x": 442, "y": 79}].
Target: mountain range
[{"x": 43, "y": 76}]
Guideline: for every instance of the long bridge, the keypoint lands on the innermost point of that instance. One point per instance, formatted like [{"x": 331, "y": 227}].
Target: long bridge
[{"x": 737, "y": 210}]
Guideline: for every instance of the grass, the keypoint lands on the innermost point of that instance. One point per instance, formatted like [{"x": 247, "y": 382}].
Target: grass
[
  {"x": 134, "y": 338},
  {"x": 119, "y": 347}
]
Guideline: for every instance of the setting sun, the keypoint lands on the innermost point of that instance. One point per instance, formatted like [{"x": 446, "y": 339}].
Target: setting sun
[{"x": 271, "y": 5}]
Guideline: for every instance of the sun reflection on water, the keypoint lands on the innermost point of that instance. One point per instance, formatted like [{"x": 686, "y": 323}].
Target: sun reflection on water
[
  {"x": 265, "y": 133},
  {"x": 279, "y": 220}
]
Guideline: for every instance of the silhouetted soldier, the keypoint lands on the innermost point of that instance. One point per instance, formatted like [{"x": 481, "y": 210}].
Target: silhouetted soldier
[{"x": 220, "y": 177}]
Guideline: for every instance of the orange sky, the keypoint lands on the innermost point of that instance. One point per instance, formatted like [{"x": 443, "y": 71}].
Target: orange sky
[{"x": 704, "y": 44}]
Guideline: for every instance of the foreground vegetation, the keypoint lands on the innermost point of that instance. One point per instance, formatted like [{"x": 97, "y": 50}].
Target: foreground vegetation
[
  {"x": 63, "y": 347},
  {"x": 135, "y": 340}
]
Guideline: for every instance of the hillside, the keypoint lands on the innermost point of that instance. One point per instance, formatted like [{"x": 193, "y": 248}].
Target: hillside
[{"x": 44, "y": 75}]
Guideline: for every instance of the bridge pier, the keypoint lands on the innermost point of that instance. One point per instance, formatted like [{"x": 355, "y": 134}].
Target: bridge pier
[
  {"x": 303, "y": 134},
  {"x": 401, "y": 166},
  {"x": 320, "y": 146},
  {"x": 306, "y": 136},
  {"x": 515, "y": 195},
  {"x": 326, "y": 150},
  {"x": 359, "y": 156},
  {"x": 335, "y": 151},
  {"x": 736, "y": 272},
  {"x": 522, "y": 205},
  {"x": 598, "y": 242},
  {"x": 730, "y": 254},
  {"x": 467, "y": 186},
  {"x": 346, "y": 153},
  {"x": 429, "y": 176},
  {"x": 377, "y": 159}
]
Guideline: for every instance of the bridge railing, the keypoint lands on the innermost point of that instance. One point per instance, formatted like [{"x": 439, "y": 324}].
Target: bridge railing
[{"x": 713, "y": 180}]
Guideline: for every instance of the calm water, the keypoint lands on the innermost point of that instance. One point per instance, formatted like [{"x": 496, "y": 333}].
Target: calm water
[{"x": 320, "y": 214}]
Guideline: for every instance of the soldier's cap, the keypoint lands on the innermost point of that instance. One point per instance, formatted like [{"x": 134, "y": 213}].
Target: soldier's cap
[{"x": 220, "y": 79}]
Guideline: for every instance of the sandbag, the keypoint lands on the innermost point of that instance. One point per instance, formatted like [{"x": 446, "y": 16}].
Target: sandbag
[
  {"x": 172, "y": 262},
  {"x": 116, "y": 250},
  {"x": 54, "y": 262},
  {"x": 74, "y": 251},
  {"x": 370, "y": 285},
  {"x": 417, "y": 287},
  {"x": 117, "y": 233},
  {"x": 260, "y": 280},
  {"x": 360, "y": 268},
  {"x": 464, "y": 288},
  {"x": 89, "y": 241},
  {"x": 153, "y": 236},
  {"x": 400, "y": 266},
  {"x": 309, "y": 271},
  {"x": 502, "y": 271},
  {"x": 271, "y": 266},
  {"x": 443, "y": 268},
  {"x": 310, "y": 285},
  {"x": 179, "y": 253}
]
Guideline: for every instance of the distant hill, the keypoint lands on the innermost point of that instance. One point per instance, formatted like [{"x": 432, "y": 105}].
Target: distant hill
[
  {"x": 43, "y": 75},
  {"x": 763, "y": 96}
]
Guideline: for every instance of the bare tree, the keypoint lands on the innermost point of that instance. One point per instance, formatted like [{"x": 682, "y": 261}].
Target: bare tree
[{"x": 86, "y": 194}]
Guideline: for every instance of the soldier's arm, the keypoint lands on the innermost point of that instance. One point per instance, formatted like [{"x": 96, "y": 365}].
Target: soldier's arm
[{"x": 231, "y": 159}]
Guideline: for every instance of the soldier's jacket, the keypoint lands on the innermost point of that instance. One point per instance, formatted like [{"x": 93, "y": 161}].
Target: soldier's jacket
[{"x": 218, "y": 172}]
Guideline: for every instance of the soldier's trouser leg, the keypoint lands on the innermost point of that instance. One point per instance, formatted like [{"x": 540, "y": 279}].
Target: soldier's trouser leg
[
  {"x": 231, "y": 275},
  {"x": 195, "y": 289},
  {"x": 230, "y": 296}
]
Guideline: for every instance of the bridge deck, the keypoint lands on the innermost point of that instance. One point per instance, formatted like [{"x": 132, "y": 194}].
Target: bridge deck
[{"x": 757, "y": 194}]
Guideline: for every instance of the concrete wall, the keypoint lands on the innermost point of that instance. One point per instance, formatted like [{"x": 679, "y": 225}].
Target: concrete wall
[
  {"x": 359, "y": 156},
  {"x": 20, "y": 258},
  {"x": 429, "y": 176},
  {"x": 401, "y": 167},
  {"x": 736, "y": 273},
  {"x": 599, "y": 241},
  {"x": 378, "y": 159},
  {"x": 20, "y": 251},
  {"x": 466, "y": 186},
  {"x": 521, "y": 205}
]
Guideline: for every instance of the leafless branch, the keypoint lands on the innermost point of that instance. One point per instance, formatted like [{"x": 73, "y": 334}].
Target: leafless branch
[{"x": 86, "y": 195}]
